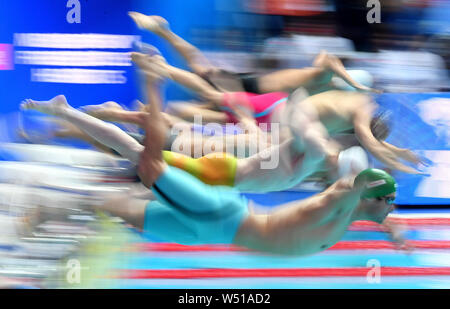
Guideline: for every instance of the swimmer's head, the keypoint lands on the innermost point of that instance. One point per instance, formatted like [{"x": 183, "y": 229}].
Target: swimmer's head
[
  {"x": 379, "y": 126},
  {"x": 377, "y": 195}
]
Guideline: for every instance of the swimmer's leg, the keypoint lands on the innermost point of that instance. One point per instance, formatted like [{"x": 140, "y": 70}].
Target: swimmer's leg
[
  {"x": 179, "y": 123},
  {"x": 320, "y": 74},
  {"x": 111, "y": 111},
  {"x": 309, "y": 132},
  {"x": 159, "y": 26},
  {"x": 110, "y": 105},
  {"x": 334, "y": 64},
  {"x": 105, "y": 133},
  {"x": 68, "y": 130},
  {"x": 157, "y": 65},
  {"x": 189, "y": 111},
  {"x": 131, "y": 210},
  {"x": 289, "y": 79},
  {"x": 169, "y": 184}
]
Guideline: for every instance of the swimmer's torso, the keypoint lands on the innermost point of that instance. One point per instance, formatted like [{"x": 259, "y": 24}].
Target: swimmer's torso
[{"x": 275, "y": 169}]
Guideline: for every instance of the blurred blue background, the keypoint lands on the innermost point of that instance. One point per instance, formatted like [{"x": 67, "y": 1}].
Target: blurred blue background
[{"x": 407, "y": 53}]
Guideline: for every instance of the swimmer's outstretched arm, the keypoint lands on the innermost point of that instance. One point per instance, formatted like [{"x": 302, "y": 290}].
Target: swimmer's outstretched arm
[
  {"x": 405, "y": 154},
  {"x": 361, "y": 123},
  {"x": 342, "y": 194},
  {"x": 294, "y": 217}
]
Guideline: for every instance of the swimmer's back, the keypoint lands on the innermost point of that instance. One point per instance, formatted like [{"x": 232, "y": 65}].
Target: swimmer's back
[{"x": 336, "y": 108}]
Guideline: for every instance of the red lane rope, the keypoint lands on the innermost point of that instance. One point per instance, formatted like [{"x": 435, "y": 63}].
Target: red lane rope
[
  {"x": 381, "y": 244},
  {"x": 405, "y": 221},
  {"x": 288, "y": 272},
  {"x": 342, "y": 245}
]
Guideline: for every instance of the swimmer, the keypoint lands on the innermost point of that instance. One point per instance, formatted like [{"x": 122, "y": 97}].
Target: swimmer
[
  {"x": 313, "y": 118},
  {"x": 315, "y": 78},
  {"x": 183, "y": 137},
  {"x": 218, "y": 106},
  {"x": 63, "y": 129},
  {"x": 187, "y": 211},
  {"x": 276, "y": 168},
  {"x": 344, "y": 112},
  {"x": 216, "y": 168},
  {"x": 188, "y": 138}
]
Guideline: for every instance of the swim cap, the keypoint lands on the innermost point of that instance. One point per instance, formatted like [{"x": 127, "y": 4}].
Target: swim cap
[
  {"x": 352, "y": 161},
  {"x": 361, "y": 76},
  {"x": 377, "y": 183}
]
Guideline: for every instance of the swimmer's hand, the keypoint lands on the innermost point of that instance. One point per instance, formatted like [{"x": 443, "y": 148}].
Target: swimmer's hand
[
  {"x": 395, "y": 232},
  {"x": 410, "y": 156},
  {"x": 390, "y": 159},
  {"x": 402, "y": 244},
  {"x": 363, "y": 88},
  {"x": 377, "y": 91}
]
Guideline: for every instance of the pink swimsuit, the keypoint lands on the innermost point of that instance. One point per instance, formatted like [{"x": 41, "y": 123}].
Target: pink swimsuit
[{"x": 261, "y": 105}]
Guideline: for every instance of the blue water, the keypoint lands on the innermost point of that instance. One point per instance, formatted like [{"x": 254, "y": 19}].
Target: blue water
[{"x": 327, "y": 259}]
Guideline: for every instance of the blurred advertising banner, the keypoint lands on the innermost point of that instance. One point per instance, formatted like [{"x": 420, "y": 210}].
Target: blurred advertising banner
[
  {"x": 77, "y": 48},
  {"x": 421, "y": 122},
  {"x": 6, "y": 62},
  {"x": 288, "y": 7}
]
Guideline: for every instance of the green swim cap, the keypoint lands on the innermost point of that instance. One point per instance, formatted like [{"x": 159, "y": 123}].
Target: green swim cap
[{"x": 377, "y": 183}]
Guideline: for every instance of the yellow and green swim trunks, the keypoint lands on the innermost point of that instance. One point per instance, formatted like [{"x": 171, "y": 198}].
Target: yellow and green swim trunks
[{"x": 218, "y": 169}]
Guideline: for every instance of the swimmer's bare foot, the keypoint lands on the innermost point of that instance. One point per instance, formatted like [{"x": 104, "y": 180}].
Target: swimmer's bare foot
[
  {"x": 51, "y": 107},
  {"x": 332, "y": 63},
  {"x": 154, "y": 66},
  {"x": 322, "y": 59},
  {"x": 153, "y": 23}
]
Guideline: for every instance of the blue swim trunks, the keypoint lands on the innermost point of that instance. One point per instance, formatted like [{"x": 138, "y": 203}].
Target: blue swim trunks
[{"x": 189, "y": 212}]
